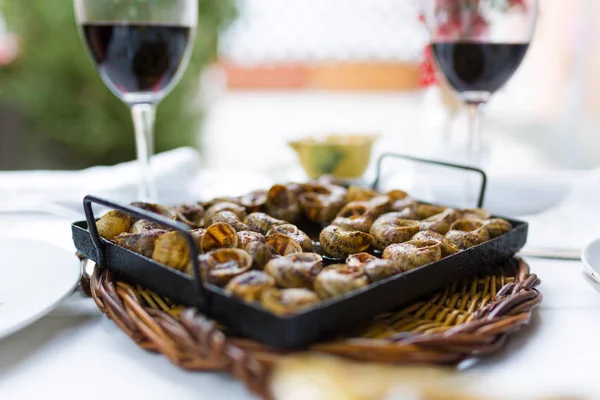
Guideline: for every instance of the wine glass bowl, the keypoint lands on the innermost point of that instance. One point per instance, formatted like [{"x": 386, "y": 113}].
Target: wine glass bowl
[{"x": 140, "y": 48}]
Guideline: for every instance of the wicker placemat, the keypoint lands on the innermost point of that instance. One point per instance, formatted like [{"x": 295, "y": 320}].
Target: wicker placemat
[{"x": 467, "y": 319}]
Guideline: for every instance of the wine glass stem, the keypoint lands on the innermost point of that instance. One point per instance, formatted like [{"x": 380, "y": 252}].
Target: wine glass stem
[
  {"x": 143, "y": 122},
  {"x": 475, "y": 146}
]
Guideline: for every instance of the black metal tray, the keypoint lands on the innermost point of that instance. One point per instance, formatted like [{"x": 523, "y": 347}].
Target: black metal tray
[{"x": 299, "y": 330}]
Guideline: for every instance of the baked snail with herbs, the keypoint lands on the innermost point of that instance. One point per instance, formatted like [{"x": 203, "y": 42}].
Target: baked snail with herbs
[
  {"x": 441, "y": 222},
  {"x": 282, "y": 203},
  {"x": 360, "y": 215},
  {"x": 359, "y": 260},
  {"x": 338, "y": 243},
  {"x": 295, "y": 270},
  {"x": 250, "y": 285},
  {"x": 217, "y": 236},
  {"x": 448, "y": 248},
  {"x": 112, "y": 224},
  {"x": 294, "y": 233},
  {"x": 338, "y": 279},
  {"x": 172, "y": 250},
  {"x": 413, "y": 254},
  {"x": 378, "y": 269},
  {"x": 141, "y": 243},
  {"x": 229, "y": 217},
  {"x": 400, "y": 200},
  {"x": 357, "y": 193},
  {"x": 283, "y": 245},
  {"x": 261, "y": 222},
  {"x": 497, "y": 226},
  {"x": 391, "y": 228},
  {"x": 321, "y": 203},
  {"x": 466, "y": 233},
  {"x": 287, "y": 301},
  {"x": 216, "y": 208},
  {"x": 142, "y": 225},
  {"x": 256, "y": 245},
  {"x": 222, "y": 265},
  {"x": 190, "y": 214}
]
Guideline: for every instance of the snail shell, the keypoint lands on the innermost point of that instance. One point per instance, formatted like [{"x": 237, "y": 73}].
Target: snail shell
[
  {"x": 217, "y": 236},
  {"x": 321, "y": 203},
  {"x": 245, "y": 237},
  {"x": 338, "y": 279},
  {"x": 261, "y": 222},
  {"x": 250, "y": 285},
  {"x": 215, "y": 209},
  {"x": 475, "y": 213},
  {"x": 425, "y": 211},
  {"x": 357, "y": 193},
  {"x": 141, "y": 243},
  {"x": 338, "y": 243},
  {"x": 172, "y": 250},
  {"x": 287, "y": 301},
  {"x": 282, "y": 203},
  {"x": 283, "y": 245},
  {"x": 229, "y": 217},
  {"x": 391, "y": 228},
  {"x": 296, "y": 234},
  {"x": 497, "y": 226},
  {"x": 142, "y": 225},
  {"x": 441, "y": 222},
  {"x": 221, "y": 265},
  {"x": 113, "y": 223},
  {"x": 447, "y": 247},
  {"x": 400, "y": 200},
  {"x": 355, "y": 216},
  {"x": 295, "y": 270},
  {"x": 256, "y": 245},
  {"x": 359, "y": 260},
  {"x": 466, "y": 233},
  {"x": 413, "y": 254},
  {"x": 190, "y": 214},
  {"x": 254, "y": 201},
  {"x": 377, "y": 270}
]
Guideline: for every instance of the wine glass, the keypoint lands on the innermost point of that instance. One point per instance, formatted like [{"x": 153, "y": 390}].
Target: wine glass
[
  {"x": 478, "y": 45},
  {"x": 140, "y": 48}
]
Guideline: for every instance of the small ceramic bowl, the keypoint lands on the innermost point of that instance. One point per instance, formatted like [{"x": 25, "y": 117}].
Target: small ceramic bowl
[{"x": 340, "y": 156}]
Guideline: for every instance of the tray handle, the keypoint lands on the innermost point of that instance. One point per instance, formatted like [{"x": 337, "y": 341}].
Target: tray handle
[
  {"x": 482, "y": 189},
  {"x": 88, "y": 200}
]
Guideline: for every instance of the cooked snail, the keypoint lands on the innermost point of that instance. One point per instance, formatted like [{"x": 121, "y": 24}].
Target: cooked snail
[
  {"x": 254, "y": 201},
  {"x": 221, "y": 265},
  {"x": 296, "y": 234},
  {"x": 441, "y": 222},
  {"x": 235, "y": 208},
  {"x": 256, "y": 245},
  {"x": 190, "y": 214},
  {"x": 338, "y": 279},
  {"x": 142, "y": 225},
  {"x": 447, "y": 247},
  {"x": 287, "y": 301},
  {"x": 357, "y": 193},
  {"x": 414, "y": 253},
  {"x": 283, "y": 245},
  {"x": 425, "y": 211},
  {"x": 113, "y": 223},
  {"x": 261, "y": 222},
  {"x": 229, "y": 217},
  {"x": 282, "y": 203},
  {"x": 338, "y": 243},
  {"x": 218, "y": 236},
  {"x": 141, "y": 243},
  {"x": 378, "y": 270},
  {"x": 172, "y": 250},
  {"x": 321, "y": 203},
  {"x": 250, "y": 285},
  {"x": 391, "y": 228},
  {"x": 476, "y": 213},
  {"x": 466, "y": 233},
  {"x": 497, "y": 226},
  {"x": 295, "y": 270},
  {"x": 400, "y": 200},
  {"x": 359, "y": 259},
  {"x": 245, "y": 237}
]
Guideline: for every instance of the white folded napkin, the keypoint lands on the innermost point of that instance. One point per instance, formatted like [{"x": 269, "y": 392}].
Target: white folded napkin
[{"x": 174, "y": 171}]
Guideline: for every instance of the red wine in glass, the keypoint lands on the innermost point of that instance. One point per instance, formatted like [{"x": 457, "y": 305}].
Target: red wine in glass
[
  {"x": 478, "y": 67},
  {"x": 137, "y": 61}
]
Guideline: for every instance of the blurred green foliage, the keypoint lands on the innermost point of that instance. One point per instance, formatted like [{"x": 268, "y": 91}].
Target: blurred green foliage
[{"x": 65, "y": 105}]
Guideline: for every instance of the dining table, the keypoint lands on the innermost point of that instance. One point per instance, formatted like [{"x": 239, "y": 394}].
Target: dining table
[{"x": 75, "y": 352}]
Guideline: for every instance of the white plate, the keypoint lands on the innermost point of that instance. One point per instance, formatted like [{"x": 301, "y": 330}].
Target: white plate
[
  {"x": 591, "y": 259},
  {"x": 34, "y": 277}
]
